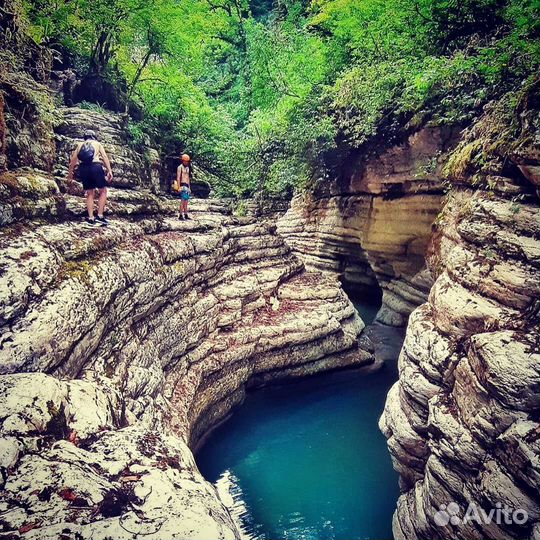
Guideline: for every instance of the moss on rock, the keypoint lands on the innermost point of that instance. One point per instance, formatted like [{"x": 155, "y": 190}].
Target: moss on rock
[{"x": 500, "y": 141}]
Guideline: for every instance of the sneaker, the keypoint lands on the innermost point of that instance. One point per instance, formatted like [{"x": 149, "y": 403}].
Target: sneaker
[
  {"x": 187, "y": 217},
  {"x": 103, "y": 221},
  {"x": 89, "y": 222},
  {"x": 181, "y": 217}
]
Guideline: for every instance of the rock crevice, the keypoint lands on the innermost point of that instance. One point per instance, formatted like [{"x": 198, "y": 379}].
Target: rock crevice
[{"x": 372, "y": 227}]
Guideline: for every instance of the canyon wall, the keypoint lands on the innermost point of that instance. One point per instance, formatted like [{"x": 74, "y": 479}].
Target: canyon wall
[
  {"x": 120, "y": 347},
  {"x": 371, "y": 226},
  {"x": 463, "y": 421},
  {"x": 133, "y": 166}
]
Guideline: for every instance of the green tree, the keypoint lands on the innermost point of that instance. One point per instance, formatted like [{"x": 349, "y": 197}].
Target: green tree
[{"x": 263, "y": 93}]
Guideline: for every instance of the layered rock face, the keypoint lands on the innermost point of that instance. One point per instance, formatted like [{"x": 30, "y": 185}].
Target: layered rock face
[
  {"x": 131, "y": 168},
  {"x": 122, "y": 346},
  {"x": 462, "y": 422},
  {"x": 265, "y": 208},
  {"x": 372, "y": 226},
  {"x": 26, "y": 123},
  {"x": 35, "y": 133}
]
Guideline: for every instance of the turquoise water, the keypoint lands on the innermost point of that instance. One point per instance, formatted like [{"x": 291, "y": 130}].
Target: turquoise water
[{"x": 307, "y": 461}]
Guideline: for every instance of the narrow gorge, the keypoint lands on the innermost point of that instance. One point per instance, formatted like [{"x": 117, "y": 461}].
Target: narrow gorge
[
  {"x": 133, "y": 341},
  {"x": 383, "y": 309},
  {"x": 371, "y": 225},
  {"x": 456, "y": 249},
  {"x": 462, "y": 422}
]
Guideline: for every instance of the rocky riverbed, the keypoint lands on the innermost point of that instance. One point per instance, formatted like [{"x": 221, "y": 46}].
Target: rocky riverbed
[{"x": 121, "y": 346}]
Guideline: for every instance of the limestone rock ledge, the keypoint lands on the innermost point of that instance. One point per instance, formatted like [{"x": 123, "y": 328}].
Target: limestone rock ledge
[
  {"x": 132, "y": 168},
  {"x": 121, "y": 347},
  {"x": 372, "y": 226},
  {"x": 462, "y": 423}
]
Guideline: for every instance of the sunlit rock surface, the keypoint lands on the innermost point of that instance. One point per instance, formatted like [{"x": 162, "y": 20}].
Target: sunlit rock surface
[
  {"x": 121, "y": 347},
  {"x": 462, "y": 422},
  {"x": 372, "y": 226},
  {"x": 132, "y": 168}
]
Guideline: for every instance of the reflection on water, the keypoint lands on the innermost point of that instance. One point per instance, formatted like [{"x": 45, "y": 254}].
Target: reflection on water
[{"x": 307, "y": 460}]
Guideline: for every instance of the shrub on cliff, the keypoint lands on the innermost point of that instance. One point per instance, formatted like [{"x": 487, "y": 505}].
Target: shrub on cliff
[{"x": 502, "y": 143}]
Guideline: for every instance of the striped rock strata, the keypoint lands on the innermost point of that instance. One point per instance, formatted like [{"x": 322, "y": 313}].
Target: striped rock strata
[
  {"x": 371, "y": 226},
  {"x": 463, "y": 421},
  {"x": 121, "y": 347}
]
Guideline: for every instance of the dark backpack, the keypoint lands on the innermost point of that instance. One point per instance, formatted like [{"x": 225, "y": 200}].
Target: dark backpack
[{"x": 86, "y": 153}]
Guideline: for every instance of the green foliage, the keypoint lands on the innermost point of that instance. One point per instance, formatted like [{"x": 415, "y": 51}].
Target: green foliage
[
  {"x": 502, "y": 130},
  {"x": 240, "y": 209},
  {"x": 262, "y": 93},
  {"x": 404, "y": 72},
  {"x": 91, "y": 106},
  {"x": 137, "y": 134}
]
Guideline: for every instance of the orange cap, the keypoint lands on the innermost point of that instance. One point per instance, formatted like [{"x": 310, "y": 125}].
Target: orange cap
[{"x": 185, "y": 157}]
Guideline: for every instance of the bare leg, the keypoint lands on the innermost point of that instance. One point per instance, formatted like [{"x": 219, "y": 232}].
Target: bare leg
[
  {"x": 102, "y": 201},
  {"x": 90, "y": 202},
  {"x": 184, "y": 207}
]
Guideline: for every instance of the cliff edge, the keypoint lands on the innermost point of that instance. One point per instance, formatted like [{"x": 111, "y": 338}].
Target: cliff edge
[
  {"x": 120, "y": 347},
  {"x": 462, "y": 423}
]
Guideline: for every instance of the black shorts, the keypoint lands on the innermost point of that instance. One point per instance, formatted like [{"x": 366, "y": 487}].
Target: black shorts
[{"x": 92, "y": 175}]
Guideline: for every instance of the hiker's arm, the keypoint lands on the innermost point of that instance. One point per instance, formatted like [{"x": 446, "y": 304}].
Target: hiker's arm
[
  {"x": 72, "y": 163},
  {"x": 106, "y": 161},
  {"x": 178, "y": 174}
]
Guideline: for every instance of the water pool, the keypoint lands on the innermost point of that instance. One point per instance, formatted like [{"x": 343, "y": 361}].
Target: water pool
[{"x": 307, "y": 461}]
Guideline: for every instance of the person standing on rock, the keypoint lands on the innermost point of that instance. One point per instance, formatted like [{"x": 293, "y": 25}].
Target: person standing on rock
[
  {"x": 91, "y": 157},
  {"x": 183, "y": 180}
]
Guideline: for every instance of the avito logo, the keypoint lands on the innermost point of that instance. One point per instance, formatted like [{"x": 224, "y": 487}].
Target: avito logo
[{"x": 500, "y": 514}]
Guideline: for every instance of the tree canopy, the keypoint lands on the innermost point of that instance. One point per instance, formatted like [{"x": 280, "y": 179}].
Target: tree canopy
[{"x": 261, "y": 91}]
